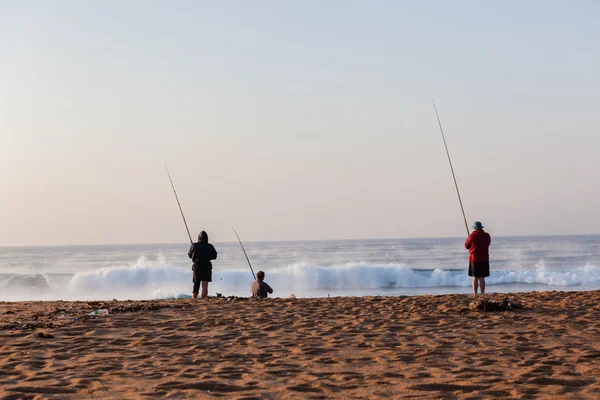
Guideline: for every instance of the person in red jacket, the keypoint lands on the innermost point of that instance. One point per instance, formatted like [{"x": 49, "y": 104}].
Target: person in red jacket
[{"x": 478, "y": 244}]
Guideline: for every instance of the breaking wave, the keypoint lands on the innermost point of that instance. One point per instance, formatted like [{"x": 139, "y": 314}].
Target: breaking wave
[{"x": 147, "y": 279}]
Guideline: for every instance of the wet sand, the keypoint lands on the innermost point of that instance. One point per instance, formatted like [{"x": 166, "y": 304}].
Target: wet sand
[{"x": 364, "y": 347}]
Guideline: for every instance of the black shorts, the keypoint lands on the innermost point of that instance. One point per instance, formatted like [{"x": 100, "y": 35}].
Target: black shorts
[
  {"x": 201, "y": 275},
  {"x": 481, "y": 269}
]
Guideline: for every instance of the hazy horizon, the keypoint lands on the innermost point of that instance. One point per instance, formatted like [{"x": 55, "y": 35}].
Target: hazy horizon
[
  {"x": 300, "y": 240},
  {"x": 299, "y": 121}
]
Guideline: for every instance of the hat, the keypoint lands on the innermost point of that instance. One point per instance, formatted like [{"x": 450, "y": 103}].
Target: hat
[{"x": 477, "y": 225}]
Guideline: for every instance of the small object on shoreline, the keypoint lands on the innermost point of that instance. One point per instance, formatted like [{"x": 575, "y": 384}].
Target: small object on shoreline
[
  {"x": 103, "y": 311},
  {"x": 43, "y": 335}
]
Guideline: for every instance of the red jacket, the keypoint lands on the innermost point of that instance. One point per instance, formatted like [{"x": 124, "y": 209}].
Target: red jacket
[{"x": 478, "y": 244}]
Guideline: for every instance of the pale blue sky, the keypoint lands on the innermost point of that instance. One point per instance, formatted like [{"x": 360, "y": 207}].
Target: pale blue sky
[{"x": 296, "y": 120}]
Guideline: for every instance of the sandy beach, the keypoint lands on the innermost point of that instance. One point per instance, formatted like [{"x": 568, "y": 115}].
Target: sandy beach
[{"x": 362, "y": 347}]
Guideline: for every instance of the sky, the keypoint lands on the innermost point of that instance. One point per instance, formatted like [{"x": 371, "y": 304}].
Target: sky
[{"x": 306, "y": 120}]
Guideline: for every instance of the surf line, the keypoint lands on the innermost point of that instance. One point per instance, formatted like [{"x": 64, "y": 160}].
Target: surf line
[
  {"x": 451, "y": 168},
  {"x": 247, "y": 259},
  {"x": 179, "y": 204}
]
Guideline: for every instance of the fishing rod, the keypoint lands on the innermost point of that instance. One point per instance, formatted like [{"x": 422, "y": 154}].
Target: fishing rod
[
  {"x": 451, "y": 167},
  {"x": 179, "y": 204},
  {"x": 247, "y": 259}
]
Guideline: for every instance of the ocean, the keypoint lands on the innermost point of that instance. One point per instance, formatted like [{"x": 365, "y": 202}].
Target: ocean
[{"x": 371, "y": 267}]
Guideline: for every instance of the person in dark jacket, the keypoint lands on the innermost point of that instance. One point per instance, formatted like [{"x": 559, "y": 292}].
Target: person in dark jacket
[
  {"x": 201, "y": 254},
  {"x": 260, "y": 289},
  {"x": 478, "y": 244}
]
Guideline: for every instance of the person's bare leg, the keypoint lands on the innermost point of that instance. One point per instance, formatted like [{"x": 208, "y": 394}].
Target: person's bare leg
[
  {"x": 194, "y": 295},
  {"x": 482, "y": 285},
  {"x": 204, "y": 289},
  {"x": 475, "y": 285}
]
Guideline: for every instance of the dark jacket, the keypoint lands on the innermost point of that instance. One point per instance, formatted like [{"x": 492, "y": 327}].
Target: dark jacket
[
  {"x": 201, "y": 254},
  {"x": 260, "y": 289},
  {"x": 478, "y": 244}
]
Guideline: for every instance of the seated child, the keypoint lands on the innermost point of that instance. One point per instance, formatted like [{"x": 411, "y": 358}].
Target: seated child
[{"x": 260, "y": 289}]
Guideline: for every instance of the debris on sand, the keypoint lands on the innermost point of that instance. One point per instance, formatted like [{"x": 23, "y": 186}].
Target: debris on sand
[{"x": 488, "y": 305}]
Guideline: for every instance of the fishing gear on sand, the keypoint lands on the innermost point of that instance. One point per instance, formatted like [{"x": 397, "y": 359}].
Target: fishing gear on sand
[{"x": 247, "y": 259}]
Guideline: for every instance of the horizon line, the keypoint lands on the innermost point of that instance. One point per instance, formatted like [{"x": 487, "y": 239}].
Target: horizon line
[{"x": 292, "y": 240}]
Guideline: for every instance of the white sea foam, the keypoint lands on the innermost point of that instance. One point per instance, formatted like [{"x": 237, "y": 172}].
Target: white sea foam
[
  {"x": 146, "y": 279},
  {"x": 363, "y": 276}
]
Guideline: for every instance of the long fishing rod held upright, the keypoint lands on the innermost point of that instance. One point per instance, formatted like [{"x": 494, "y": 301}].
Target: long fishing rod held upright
[
  {"x": 451, "y": 167},
  {"x": 247, "y": 259},
  {"x": 179, "y": 204}
]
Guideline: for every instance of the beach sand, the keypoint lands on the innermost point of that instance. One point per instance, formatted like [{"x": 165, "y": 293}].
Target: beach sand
[{"x": 363, "y": 347}]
